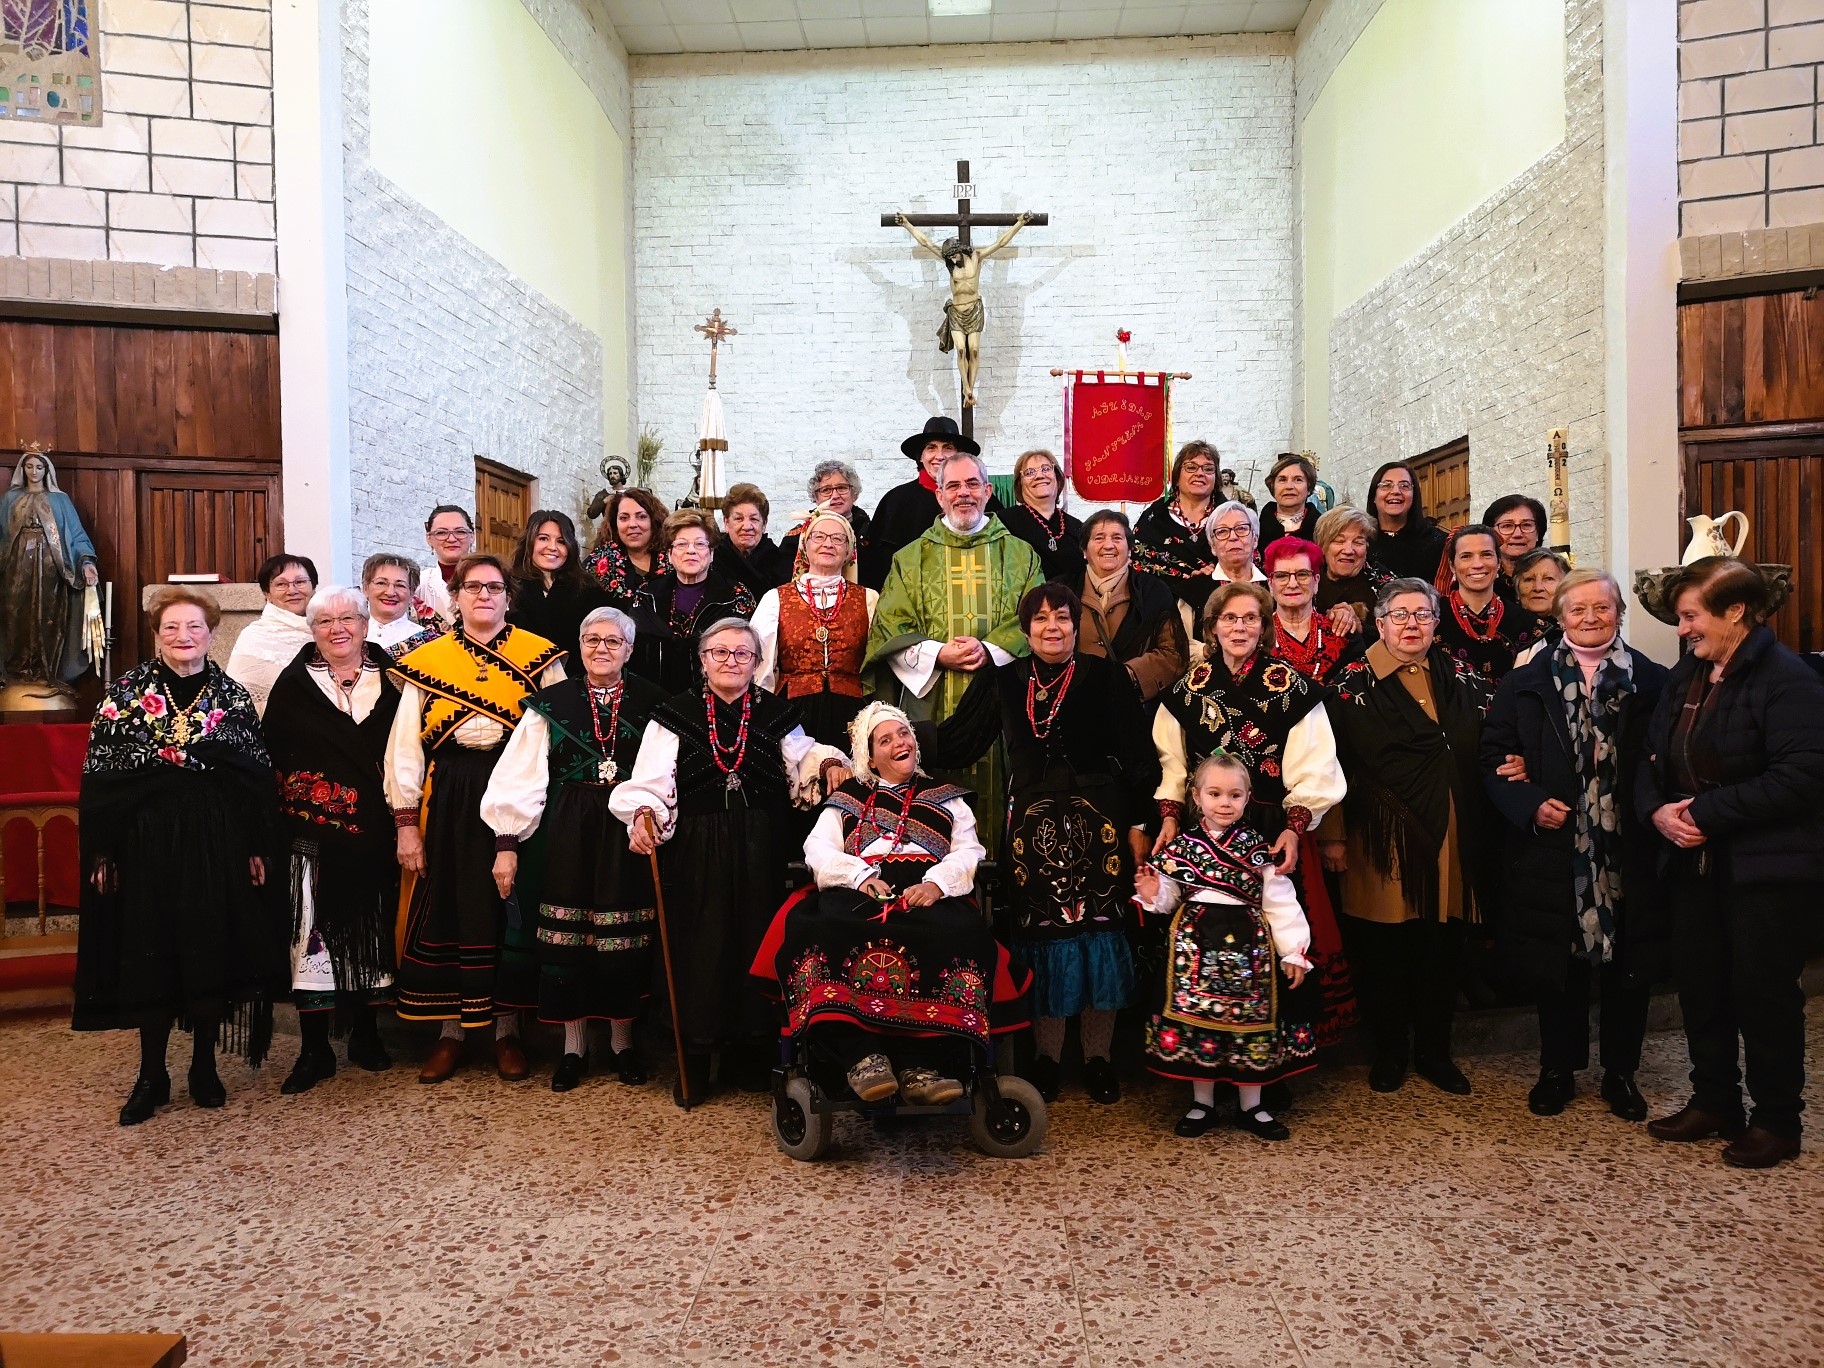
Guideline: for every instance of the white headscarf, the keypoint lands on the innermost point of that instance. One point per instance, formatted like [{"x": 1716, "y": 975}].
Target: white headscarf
[{"x": 861, "y": 730}]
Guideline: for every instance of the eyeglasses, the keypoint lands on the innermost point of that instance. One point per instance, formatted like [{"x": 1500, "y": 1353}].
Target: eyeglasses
[
  {"x": 1509, "y": 527},
  {"x": 1402, "y": 616},
  {"x": 297, "y": 582},
  {"x": 826, "y": 539},
  {"x": 825, "y": 491},
  {"x": 1232, "y": 533},
  {"x": 1394, "y": 487},
  {"x": 1234, "y": 620},
  {"x": 1197, "y": 468},
  {"x": 973, "y": 486},
  {"x": 451, "y": 533},
  {"x": 603, "y": 643},
  {"x": 1291, "y": 577},
  {"x": 480, "y": 589},
  {"x": 722, "y": 655},
  {"x": 349, "y": 620}
]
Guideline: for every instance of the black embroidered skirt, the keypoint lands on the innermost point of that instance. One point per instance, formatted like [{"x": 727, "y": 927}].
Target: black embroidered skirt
[
  {"x": 596, "y": 927},
  {"x": 457, "y": 920},
  {"x": 1222, "y": 1010},
  {"x": 920, "y": 970}
]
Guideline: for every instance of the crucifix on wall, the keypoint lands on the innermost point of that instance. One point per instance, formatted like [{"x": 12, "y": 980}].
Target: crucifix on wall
[{"x": 960, "y": 330}]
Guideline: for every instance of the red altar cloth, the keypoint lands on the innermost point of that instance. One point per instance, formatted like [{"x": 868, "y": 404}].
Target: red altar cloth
[{"x": 42, "y": 763}]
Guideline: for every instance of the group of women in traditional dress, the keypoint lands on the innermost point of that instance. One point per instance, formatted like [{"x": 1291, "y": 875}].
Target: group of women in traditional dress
[{"x": 1255, "y": 792}]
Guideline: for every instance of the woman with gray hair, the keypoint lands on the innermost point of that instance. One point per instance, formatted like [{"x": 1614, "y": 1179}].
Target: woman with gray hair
[
  {"x": 1583, "y": 904},
  {"x": 586, "y": 899},
  {"x": 834, "y": 487},
  {"x": 1407, "y": 721},
  {"x": 326, "y": 724},
  {"x": 717, "y": 772}
]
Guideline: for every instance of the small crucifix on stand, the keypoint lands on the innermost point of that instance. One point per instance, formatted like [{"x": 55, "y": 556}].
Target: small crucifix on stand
[
  {"x": 961, "y": 328},
  {"x": 712, "y": 428}
]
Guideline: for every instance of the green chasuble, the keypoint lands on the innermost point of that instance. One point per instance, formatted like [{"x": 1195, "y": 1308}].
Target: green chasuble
[{"x": 948, "y": 585}]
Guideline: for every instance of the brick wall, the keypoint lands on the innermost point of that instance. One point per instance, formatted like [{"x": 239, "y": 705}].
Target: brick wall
[
  {"x": 180, "y": 172},
  {"x": 1496, "y": 329},
  {"x": 1165, "y": 165},
  {"x": 450, "y": 355},
  {"x": 1750, "y": 135}
]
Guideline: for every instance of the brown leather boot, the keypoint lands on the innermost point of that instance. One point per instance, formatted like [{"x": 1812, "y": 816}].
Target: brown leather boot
[
  {"x": 1690, "y": 1122},
  {"x": 444, "y": 1061},
  {"x": 1760, "y": 1148}
]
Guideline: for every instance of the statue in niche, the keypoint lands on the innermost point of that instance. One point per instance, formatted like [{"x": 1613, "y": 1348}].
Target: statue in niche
[
  {"x": 47, "y": 563},
  {"x": 961, "y": 328}
]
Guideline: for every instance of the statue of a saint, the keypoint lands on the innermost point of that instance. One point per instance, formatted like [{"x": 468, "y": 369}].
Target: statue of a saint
[
  {"x": 961, "y": 328},
  {"x": 46, "y": 563}
]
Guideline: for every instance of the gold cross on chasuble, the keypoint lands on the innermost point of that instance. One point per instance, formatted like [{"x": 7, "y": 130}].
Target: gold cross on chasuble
[{"x": 969, "y": 601}]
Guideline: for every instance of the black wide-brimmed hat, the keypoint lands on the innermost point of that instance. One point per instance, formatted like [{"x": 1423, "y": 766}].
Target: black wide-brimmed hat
[{"x": 939, "y": 429}]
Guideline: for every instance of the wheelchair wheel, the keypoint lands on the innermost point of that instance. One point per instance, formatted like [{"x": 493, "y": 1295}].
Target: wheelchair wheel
[
  {"x": 1012, "y": 1127},
  {"x": 802, "y": 1133}
]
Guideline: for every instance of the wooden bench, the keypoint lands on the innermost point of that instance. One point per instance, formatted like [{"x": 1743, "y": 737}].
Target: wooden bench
[{"x": 92, "y": 1351}]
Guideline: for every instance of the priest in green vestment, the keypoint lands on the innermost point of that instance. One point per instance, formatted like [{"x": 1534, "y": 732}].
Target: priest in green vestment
[{"x": 950, "y": 606}]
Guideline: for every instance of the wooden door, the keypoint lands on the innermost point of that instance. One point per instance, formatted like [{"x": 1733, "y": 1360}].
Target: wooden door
[
  {"x": 1442, "y": 477},
  {"x": 503, "y": 502},
  {"x": 167, "y": 439},
  {"x": 1775, "y": 476},
  {"x": 1751, "y": 414},
  {"x": 207, "y": 524}
]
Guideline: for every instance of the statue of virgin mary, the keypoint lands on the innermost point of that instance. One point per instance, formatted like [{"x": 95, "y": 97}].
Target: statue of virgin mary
[{"x": 46, "y": 563}]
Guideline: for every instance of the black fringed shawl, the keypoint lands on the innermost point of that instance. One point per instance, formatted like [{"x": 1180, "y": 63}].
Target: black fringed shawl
[
  {"x": 1405, "y": 770},
  {"x": 333, "y": 810}
]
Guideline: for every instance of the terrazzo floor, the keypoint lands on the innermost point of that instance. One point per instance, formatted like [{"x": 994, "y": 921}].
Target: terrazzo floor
[{"x": 378, "y": 1222}]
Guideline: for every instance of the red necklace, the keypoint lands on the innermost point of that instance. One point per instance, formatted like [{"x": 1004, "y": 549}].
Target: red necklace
[
  {"x": 1036, "y": 693},
  {"x": 824, "y": 618},
  {"x": 1473, "y": 627},
  {"x": 1303, "y": 656},
  {"x": 737, "y": 753},
  {"x": 1183, "y": 521},
  {"x": 1051, "y": 534},
  {"x": 606, "y": 770},
  {"x": 868, "y": 819}
]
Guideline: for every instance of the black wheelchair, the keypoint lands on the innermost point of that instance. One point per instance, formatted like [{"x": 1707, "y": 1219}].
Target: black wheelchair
[{"x": 1007, "y": 1116}]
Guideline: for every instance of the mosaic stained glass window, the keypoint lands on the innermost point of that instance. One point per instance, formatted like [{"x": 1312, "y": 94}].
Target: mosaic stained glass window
[{"x": 50, "y": 61}]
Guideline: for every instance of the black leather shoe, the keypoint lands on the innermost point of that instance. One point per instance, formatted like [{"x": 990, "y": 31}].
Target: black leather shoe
[
  {"x": 366, "y": 1052},
  {"x": 1043, "y": 1075},
  {"x": 148, "y": 1095},
  {"x": 206, "y": 1088},
  {"x": 1387, "y": 1075},
  {"x": 630, "y": 1067},
  {"x": 1623, "y": 1097},
  {"x": 568, "y": 1073},
  {"x": 1760, "y": 1148},
  {"x": 312, "y": 1068},
  {"x": 1194, "y": 1122},
  {"x": 1262, "y": 1123},
  {"x": 1443, "y": 1075},
  {"x": 1553, "y": 1092},
  {"x": 1691, "y": 1122},
  {"x": 1100, "y": 1082}
]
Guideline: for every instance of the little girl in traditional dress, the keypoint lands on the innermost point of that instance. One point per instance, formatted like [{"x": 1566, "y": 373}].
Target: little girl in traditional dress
[{"x": 1220, "y": 1013}]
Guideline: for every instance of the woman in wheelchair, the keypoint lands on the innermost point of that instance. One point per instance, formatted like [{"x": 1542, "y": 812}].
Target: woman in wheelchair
[{"x": 888, "y": 966}]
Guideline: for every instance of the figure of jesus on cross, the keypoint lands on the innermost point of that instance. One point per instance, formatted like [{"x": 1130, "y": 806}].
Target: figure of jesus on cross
[{"x": 960, "y": 329}]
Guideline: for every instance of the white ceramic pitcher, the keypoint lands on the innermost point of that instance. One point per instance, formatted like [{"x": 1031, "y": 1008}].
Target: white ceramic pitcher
[{"x": 1707, "y": 537}]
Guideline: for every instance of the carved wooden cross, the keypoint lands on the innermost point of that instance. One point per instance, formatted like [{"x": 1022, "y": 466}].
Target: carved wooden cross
[
  {"x": 962, "y": 220},
  {"x": 716, "y": 329}
]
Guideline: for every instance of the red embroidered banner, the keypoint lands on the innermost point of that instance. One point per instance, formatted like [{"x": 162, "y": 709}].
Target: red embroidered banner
[{"x": 1117, "y": 433}]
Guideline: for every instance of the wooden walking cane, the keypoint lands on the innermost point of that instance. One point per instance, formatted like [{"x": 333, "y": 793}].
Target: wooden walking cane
[{"x": 671, "y": 986}]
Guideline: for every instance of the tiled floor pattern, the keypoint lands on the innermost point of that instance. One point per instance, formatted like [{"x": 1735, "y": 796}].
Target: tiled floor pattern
[{"x": 378, "y": 1222}]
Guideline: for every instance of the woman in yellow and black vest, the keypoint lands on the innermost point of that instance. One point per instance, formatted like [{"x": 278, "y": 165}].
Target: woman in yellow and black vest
[{"x": 461, "y": 695}]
